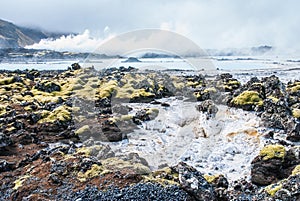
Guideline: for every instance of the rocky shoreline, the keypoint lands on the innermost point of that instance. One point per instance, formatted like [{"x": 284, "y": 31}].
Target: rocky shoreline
[{"x": 57, "y": 127}]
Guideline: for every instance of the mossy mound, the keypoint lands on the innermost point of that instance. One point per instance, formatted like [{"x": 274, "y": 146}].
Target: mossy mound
[
  {"x": 136, "y": 87},
  {"x": 94, "y": 171},
  {"x": 165, "y": 176},
  {"x": 273, "y": 188},
  {"x": 273, "y": 151},
  {"x": 47, "y": 86},
  {"x": 296, "y": 113},
  {"x": 247, "y": 100},
  {"x": 106, "y": 88},
  {"x": 211, "y": 178},
  {"x": 83, "y": 130},
  {"x": 61, "y": 114},
  {"x": 293, "y": 88},
  {"x": 89, "y": 151},
  {"x": 231, "y": 84},
  {"x": 296, "y": 170},
  {"x": 7, "y": 80},
  {"x": 116, "y": 164},
  {"x": 206, "y": 93}
]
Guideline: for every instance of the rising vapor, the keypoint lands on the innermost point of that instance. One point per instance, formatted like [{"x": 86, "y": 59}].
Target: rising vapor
[{"x": 75, "y": 43}]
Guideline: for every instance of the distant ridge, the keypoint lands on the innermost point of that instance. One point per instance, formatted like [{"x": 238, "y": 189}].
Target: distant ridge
[
  {"x": 253, "y": 51},
  {"x": 158, "y": 55},
  {"x": 13, "y": 36},
  {"x": 31, "y": 55}
]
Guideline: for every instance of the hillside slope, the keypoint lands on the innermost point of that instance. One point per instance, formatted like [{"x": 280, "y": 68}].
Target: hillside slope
[{"x": 13, "y": 36}]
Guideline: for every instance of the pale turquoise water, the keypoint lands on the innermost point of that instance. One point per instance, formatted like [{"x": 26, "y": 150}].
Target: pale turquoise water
[
  {"x": 256, "y": 66},
  {"x": 58, "y": 65}
]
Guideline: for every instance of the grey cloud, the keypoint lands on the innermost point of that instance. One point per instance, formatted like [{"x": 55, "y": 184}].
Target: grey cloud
[{"x": 211, "y": 24}]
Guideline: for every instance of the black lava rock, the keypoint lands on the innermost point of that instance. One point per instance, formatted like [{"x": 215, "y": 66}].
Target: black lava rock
[
  {"x": 75, "y": 66},
  {"x": 4, "y": 140},
  {"x": 141, "y": 191}
]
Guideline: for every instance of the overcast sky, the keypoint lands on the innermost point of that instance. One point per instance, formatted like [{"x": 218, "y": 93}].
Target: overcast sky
[{"x": 209, "y": 23}]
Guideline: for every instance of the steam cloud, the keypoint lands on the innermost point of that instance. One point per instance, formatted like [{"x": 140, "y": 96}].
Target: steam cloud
[{"x": 76, "y": 43}]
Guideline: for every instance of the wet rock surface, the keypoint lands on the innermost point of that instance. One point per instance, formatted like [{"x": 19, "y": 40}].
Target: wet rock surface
[{"x": 56, "y": 130}]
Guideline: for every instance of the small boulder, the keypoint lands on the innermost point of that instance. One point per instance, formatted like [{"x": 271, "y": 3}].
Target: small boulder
[
  {"x": 275, "y": 162},
  {"x": 247, "y": 100},
  {"x": 47, "y": 86},
  {"x": 5, "y": 166},
  {"x": 75, "y": 66},
  {"x": 193, "y": 182},
  {"x": 4, "y": 140},
  {"x": 207, "y": 107}
]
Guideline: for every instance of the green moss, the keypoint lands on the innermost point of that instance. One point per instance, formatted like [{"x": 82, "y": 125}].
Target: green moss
[
  {"x": 248, "y": 98},
  {"x": 211, "y": 178},
  {"x": 178, "y": 82},
  {"x": 11, "y": 129},
  {"x": 125, "y": 91},
  {"x": 2, "y": 91},
  {"x": 257, "y": 84},
  {"x": 192, "y": 84},
  {"x": 161, "y": 181},
  {"x": 233, "y": 82},
  {"x": 152, "y": 112},
  {"x": 2, "y": 109},
  {"x": 166, "y": 170},
  {"x": 273, "y": 188},
  {"x": 6, "y": 80},
  {"x": 43, "y": 97},
  {"x": 115, "y": 163},
  {"x": 141, "y": 93},
  {"x": 61, "y": 113},
  {"x": 274, "y": 99},
  {"x": 48, "y": 84},
  {"x": 89, "y": 151},
  {"x": 78, "y": 87},
  {"x": 68, "y": 85},
  {"x": 128, "y": 86},
  {"x": 210, "y": 90},
  {"x": 197, "y": 95},
  {"x": 163, "y": 176},
  {"x": 83, "y": 130},
  {"x": 16, "y": 86},
  {"x": 106, "y": 88},
  {"x": 87, "y": 93},
  {"x": 43, "y": 113},
  {"x": 28, "y": 108},
  {"x": 79, "y": 118},
  {"x": 296, "y": 170},
  {"x": 126, "y": 118},
  {"x": 296, "y": 113},
  {"x": 231, "y": 85},
  {"x": 294, "y": 87},
  {"x": 94, "y": 171},
  {"x": 19, "y": 182},
  {"x": 273, "y": 151},
  {"x": 121, "y": 118}
]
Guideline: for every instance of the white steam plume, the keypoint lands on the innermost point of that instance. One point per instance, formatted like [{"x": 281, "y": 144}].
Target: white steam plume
[{"x": 75, "y": 43}]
